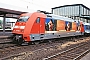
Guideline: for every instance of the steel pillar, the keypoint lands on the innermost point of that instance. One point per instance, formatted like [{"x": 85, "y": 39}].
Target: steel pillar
[{"x": 4, "y": 24}]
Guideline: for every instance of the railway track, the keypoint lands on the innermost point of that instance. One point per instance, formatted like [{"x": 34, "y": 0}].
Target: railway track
[
  {"x": 7, "y": 50},
  {"x": 71, "y": 54},
  {"x": 42, "y": 51},
  {"x": 14, "y": 49},
  {"x": 6, "y": 43}
]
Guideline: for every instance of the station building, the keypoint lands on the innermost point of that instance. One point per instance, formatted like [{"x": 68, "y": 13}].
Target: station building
[{"x": 75, "y": 11}]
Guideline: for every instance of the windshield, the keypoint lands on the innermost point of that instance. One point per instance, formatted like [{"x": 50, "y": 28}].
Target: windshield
[
  {"x": 87, "y": 27},
  {"x": 23, "y": 19}
]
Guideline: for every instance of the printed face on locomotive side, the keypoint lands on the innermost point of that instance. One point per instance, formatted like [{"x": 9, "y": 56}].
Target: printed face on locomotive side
[
  {"x": 68, "y": 26},
  {"x": 50, "y": 24}
]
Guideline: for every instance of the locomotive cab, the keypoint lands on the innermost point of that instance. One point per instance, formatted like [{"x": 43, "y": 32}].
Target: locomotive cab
[
  {"x": 20, "y": 25},
  {"x": 87, "y": 28}
]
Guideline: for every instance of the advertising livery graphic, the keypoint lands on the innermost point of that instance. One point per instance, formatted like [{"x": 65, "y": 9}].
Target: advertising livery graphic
[{"x": 60, "y": 25}]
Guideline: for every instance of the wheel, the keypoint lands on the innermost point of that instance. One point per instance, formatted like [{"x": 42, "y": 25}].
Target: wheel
[
  {"x": 25, "y": 44},
  {"x": 36, "y": 43},
  {"x": 17, "y": 41},
  {"x": 14, "y": 40}
]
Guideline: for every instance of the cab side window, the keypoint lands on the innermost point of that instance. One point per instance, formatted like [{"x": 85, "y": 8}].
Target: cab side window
[{"x": 38, "y": 20}]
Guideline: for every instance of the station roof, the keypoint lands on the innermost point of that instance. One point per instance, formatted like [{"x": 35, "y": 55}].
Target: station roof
[
  {"x": 72, "y": 5},
  {"x": 82, "y": 15},
  {"x": 10, "y": 13}
]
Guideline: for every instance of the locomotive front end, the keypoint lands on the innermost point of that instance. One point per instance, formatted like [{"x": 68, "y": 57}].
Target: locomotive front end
[
  {"x": 18, "y": 29},
  {"x": 28, "y": 27}
]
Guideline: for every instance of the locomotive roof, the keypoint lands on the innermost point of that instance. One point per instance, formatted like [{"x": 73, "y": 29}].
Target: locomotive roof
[{"x": 52, "y": 16}]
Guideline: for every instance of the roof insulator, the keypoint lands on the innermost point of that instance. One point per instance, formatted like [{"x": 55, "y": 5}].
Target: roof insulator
[{"x": 43, "y": 12}]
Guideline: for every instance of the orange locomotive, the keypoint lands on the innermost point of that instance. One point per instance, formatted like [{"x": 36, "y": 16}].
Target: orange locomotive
[{"x": 39, "y": 26}]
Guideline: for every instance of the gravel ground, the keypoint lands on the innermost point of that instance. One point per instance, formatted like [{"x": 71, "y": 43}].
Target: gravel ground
[{"x": 40, "y": 51}]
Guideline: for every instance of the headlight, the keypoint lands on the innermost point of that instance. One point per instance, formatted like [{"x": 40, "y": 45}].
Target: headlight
[{"x": 22, "y": 27}]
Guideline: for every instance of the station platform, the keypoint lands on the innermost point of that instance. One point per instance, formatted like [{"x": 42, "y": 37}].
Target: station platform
[
  {"x": 6, "y": 35},
  {"x": 86, "y": 57}
]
